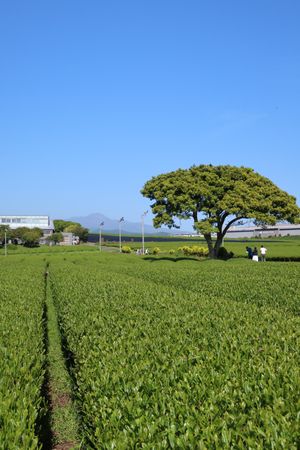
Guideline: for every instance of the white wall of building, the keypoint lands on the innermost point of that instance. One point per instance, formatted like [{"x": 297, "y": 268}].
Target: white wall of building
[
  {"x": 259, "y": 232},
  {"x": 42, "y": 222}
]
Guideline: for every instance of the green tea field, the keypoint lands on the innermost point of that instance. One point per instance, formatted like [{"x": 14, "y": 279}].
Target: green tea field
[
  {"x": 114, "y": 351},
  {"x": 277, "y": 248}
]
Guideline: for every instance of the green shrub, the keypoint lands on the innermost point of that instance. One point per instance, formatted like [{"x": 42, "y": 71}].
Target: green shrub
[
  {"x": 223, "y": 253},
  {"x": 194, "y": 250},
  {"x": 190, "y": 343},
  {"x": 126, "y": 249},
  {"x": 156, "y": 250},
  {"x": 172, "y": 251},
  {"x": 12, "y": 247},
  {"x": 22, "y": 367}
]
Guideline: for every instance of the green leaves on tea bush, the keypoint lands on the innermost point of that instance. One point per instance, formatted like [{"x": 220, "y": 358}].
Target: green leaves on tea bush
[
  {"x": 160, "y": 363},
  {"x": 21, "y": 353}
]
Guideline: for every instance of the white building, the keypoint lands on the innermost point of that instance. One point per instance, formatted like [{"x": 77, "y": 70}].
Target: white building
[
  {"x": 42, "y": 222},
  {"x": 69, "y": 239},
  {"x": 277, "y": 230}
]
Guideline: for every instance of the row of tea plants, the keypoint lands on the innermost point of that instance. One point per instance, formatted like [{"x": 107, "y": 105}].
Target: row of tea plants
[
  {"x": 21, "y": 353},
  {"x": 159, "y": 362}
]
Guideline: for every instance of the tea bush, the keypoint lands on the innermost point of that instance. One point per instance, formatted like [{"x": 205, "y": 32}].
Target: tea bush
[
  {"x": 21, "y": 354},
  {"x": 158, "y": 366},
  {"x": 194, "y": 250}
]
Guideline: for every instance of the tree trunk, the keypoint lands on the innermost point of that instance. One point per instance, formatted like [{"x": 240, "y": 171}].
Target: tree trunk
[
  {"x": 213, "y": 250},
  {"x": 210, "y": 246},
  {"x": 218, "y": 244}
]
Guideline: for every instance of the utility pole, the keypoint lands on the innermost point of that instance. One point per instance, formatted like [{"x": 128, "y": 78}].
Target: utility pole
[
  {"x": 100, "y": 235},
  {"x": 5, "y": 243},
  {"x": 143, "y": 231},
  {"x": 120, "y": 236}
]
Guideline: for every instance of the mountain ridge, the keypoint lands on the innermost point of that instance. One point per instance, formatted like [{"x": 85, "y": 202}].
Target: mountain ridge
[{"x": 92, "y": 222}]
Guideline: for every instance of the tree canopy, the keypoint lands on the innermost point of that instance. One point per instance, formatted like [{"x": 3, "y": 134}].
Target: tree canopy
[
  {"x": 29, "y": 236},
  {"x": 60, "y": 225},
  {"x": 78, "y": 230},
  {"x": 56, "y": 237},
  {"x": 216, "y": 197},
  {"x": 71, "y": 227}
]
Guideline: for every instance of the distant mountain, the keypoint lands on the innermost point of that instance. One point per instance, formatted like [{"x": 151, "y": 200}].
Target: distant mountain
[{"x": 92, "y": 222}]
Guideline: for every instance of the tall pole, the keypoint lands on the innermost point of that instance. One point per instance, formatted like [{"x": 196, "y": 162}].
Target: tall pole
[
  {"x": 5, "y": 244},
  {"x": 143, "y": 232},
  {"x": 100, "y": 235},
  {"x": 120, "y": 236}
]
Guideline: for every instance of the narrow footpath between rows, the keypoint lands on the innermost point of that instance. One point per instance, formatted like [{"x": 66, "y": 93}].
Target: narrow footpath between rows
[{"x": 60, "y": 430}]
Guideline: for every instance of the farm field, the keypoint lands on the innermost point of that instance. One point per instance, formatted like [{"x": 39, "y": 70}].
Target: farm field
[
  {"x": 277, "y": 248},
  {"x": 22, "y": 356},
  {"x": 160, "y": 352},
  {"x": 280, "y": 247},
  {"x": 46, "y": 249}
]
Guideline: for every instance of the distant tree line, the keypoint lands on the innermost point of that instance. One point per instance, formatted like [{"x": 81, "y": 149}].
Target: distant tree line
[{"x": 30, "y": 237}]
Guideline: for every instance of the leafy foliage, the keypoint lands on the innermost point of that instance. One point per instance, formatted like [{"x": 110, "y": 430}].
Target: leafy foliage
[
  {"x": 126, "y": 249},
  {"x": 61, "y": 225},
  {"x": 163, "y": 354},
  {"x": 21, "y": 353},
  {"x": 194, "y": 250},
  {"x": 56, "y": 237},
  {"x": 71, "y": 227},
  {"x": 78, "y": 230},
  {"x": 29, "y": 236},
  {"x": 223, "y": 253},
  {"x": 179, "y": 357},
  {"x": 215, "y": 197}
]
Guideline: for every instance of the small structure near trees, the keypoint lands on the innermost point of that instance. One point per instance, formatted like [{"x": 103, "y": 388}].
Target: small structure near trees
[{"x": 71, "y": 227}]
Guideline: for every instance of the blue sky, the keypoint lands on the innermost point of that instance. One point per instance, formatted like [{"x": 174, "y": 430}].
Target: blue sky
[{"x": 96, "y": 97}]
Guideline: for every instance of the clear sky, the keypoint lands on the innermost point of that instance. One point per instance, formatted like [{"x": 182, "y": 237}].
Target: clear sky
[{"x": 98, "y": 96}]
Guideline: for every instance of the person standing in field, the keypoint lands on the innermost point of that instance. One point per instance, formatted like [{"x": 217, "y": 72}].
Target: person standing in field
[
  {"x": 263, "y": 252},
  {"x": 255, "y": 255},
  {"x": 249, "y": 252}
]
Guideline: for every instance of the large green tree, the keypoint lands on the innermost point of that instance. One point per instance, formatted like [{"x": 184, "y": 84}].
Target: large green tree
[{"x": 216, "y": 197}]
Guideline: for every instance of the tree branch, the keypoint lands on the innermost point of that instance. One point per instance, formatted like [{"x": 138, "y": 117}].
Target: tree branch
[
  {"x": 195, "y": 216},
  {"x": 222, "y": 216},
  {"x": 230, "y": 223}
]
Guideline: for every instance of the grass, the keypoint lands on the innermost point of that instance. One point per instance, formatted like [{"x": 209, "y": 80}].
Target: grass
[
  {"x": 277, "y": 247},
  {"x": 45, "y": 249},
  {"x": 206, "y": 339},
  {"x": 281, "y": 247},
  {"x": 197, "y": 354},
  {"x": 63, "y": 415}
]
